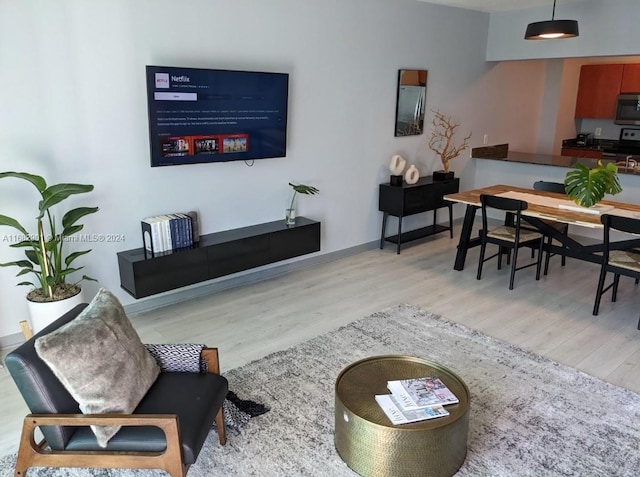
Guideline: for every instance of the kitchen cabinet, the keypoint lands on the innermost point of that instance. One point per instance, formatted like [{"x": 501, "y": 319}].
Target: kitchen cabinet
[
  {"x": 575, "y": 152},
  {"x": 598, "y": 90},
  {"x": 631, "y": 79}
]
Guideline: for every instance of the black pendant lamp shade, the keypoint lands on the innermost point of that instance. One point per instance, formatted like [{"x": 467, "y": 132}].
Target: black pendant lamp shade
[{"x": 552, "y": 29}]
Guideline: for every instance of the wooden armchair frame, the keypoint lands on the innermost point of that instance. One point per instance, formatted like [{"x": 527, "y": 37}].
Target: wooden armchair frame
[{"x": 36, "y": 454}]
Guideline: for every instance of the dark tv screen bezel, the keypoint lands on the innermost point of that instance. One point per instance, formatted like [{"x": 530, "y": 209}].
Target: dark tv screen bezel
[{"x": 211, "y": 115}]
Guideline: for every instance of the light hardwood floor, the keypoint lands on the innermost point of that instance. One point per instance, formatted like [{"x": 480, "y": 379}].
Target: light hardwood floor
[{"x": 551, "y": 317}]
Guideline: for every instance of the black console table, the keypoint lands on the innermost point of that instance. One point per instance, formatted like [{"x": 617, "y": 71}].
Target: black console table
[
  {"x": 216, "y": 255},
  {"x": 410, "y": 199}
]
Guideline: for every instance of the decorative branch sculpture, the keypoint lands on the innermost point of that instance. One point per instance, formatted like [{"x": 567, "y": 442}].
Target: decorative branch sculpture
[{"x": 441, "y": 140}]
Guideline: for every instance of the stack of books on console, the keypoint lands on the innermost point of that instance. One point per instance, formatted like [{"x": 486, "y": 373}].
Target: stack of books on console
[
  {"x": 164, "y": 233},
  {"x": 416, "y": 399}
]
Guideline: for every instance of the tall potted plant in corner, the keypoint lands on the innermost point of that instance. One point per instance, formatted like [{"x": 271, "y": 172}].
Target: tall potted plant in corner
[{"x": 46, "y": 258}]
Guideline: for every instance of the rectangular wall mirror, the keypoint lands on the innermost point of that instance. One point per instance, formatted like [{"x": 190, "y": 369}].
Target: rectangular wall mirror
[{"x": 410, "y": 102}]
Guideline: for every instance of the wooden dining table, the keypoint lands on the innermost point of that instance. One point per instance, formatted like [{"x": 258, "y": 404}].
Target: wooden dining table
[{"x": 545, "y": 206}]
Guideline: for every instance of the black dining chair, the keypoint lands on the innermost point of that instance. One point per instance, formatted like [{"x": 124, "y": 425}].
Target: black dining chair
[
  {"x": 510, "y": 237},
  {"x": 562, "y": 228},
  {"x": 619, "y": 257}
]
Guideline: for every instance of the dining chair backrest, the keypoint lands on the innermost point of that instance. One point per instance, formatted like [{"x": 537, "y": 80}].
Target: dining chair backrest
[
  {"x": 622, "y": 224},
  {"x": 549, "y": 186},
  {"x": 508, "y": 236},
  {"x": 557, "y": 187},
  {"x": 620, "y": 257},
  {"x": 501, "y": 203}
]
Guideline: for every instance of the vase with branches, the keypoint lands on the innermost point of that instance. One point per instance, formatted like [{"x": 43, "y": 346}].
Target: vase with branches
[{"x": 442, "y": 138}]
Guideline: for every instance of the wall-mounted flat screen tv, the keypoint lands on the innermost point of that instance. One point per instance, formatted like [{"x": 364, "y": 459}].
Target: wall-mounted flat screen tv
[{"x": 209, "y": 115}]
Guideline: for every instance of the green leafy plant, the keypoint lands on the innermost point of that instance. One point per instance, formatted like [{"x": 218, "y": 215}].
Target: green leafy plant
[
  {"x": 298, "y": 189},
  {"x": 587, "y": 187},
  {"x": 44, "y": 249},
  {"x": 302, "y": 189}
]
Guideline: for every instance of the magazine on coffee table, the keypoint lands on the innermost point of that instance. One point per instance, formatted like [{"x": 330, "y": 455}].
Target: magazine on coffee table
[
  {"x": 420, "y": 393},
  {"x": 397, "y": 416}
]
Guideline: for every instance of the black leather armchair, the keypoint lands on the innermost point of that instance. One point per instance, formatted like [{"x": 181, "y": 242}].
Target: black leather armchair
[{"x": 166, "y": 430}]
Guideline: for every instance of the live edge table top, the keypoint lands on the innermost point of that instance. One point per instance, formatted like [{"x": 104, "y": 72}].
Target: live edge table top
[{"x": 548, "y": 211}]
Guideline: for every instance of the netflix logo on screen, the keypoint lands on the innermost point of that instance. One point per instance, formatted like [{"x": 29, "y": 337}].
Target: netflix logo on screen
[{"x": 162, "y": 80}]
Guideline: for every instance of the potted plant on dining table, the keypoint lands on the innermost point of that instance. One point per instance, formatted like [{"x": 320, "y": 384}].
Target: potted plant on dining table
[{"x": 586, "y": 187}]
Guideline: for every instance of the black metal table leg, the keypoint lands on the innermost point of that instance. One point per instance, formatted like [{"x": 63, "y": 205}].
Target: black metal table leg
[
  {"x": 465, "y": 237},
  {"x": 399, "y": 234}
]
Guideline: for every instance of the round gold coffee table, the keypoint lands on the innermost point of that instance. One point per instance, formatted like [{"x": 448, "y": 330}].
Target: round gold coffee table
[{"x": 370, "y": 445}]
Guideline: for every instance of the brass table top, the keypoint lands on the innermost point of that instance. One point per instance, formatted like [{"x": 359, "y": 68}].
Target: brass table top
[{"x": 358, "y": 384}]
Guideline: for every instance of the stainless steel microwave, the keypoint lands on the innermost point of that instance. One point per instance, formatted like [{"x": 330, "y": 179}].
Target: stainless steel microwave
[{"x": 628, "y": 109}]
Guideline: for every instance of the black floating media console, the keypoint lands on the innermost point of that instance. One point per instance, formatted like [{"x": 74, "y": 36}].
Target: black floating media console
[
  {"x": 217, "y": 255},
  {"x": 409, "y": 199}
]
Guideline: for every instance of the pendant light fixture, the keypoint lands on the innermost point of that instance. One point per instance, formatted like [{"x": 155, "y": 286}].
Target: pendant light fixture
[{"x": 552, "y": 29}]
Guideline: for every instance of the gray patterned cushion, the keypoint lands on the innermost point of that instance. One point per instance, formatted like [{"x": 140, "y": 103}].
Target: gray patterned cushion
[
  {"x": 178, "y": 358},
  {"x": 100, "y": 360}
]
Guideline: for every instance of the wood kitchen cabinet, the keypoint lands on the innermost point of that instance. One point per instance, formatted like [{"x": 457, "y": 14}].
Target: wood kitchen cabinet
[
  {"x": 598, "y": 90},
  {"x": 574, "y": 152},
  {"x": 631, "y": 79}
]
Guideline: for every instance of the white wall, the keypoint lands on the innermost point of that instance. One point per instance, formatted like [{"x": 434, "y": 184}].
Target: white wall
[
  {"x": 568, "y": 93},
  {"x": 509, "y": 114},
  {"x": 548, "y": 119},
  {"x": 607, "y": 28},
  {"x": 72, "y": 91}
]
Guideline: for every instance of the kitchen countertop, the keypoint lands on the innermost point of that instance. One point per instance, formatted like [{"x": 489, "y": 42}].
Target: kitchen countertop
[{"x": 560, "y": 161}]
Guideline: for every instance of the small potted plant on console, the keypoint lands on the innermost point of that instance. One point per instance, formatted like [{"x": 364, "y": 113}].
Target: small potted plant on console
[{"x": 290, "y": 215}]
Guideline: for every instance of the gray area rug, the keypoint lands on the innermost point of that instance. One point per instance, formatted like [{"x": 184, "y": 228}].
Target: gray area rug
[{"x": 529, "y": 416}]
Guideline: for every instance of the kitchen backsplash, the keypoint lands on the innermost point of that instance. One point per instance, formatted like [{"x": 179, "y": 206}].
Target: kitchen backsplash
[
  {"x": 596, "y": 144},
  {"x": 609, "y": 130}
]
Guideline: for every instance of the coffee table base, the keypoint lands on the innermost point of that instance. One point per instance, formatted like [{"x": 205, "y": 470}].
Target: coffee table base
[{"x": 371, "y": 446}]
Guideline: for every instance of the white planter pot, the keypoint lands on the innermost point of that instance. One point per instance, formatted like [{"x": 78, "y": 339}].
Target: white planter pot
[{"x": 42, "y": 314}]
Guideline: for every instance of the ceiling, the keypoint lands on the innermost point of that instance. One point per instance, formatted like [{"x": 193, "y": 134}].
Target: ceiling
[{"x": 499, "y": 5}]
